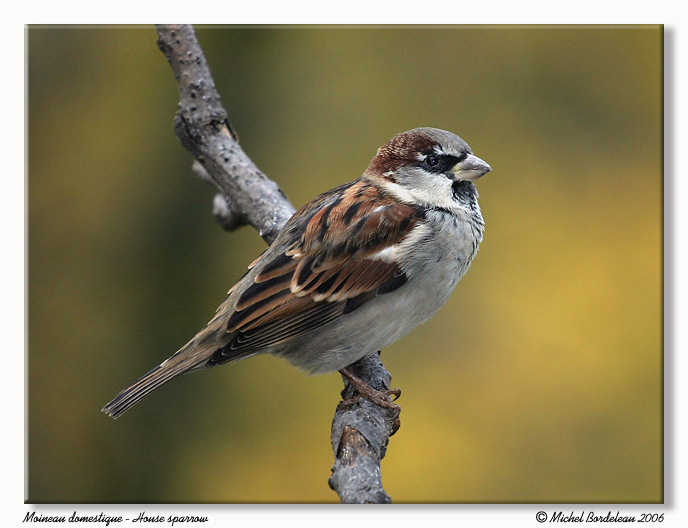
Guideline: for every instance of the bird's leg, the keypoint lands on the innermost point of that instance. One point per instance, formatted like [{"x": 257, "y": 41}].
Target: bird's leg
[{"x": 366, "y": 391}]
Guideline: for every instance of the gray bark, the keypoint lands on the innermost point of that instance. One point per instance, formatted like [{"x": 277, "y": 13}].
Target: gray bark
[{"x": 202, "y": 127}]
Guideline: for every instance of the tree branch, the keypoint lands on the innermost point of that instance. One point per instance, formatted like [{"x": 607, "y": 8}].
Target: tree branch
[
  {"x": 360, "y": 434},
  {"x": 360, "y": 430},
  {"x": 202, "y": 127}
]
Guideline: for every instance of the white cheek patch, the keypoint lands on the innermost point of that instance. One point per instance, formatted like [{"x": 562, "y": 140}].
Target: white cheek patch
[{"x": 434, "y": 191}]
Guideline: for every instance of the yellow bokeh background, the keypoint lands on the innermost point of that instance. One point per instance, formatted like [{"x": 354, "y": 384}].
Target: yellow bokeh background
[{"x": 539, "y": 381}]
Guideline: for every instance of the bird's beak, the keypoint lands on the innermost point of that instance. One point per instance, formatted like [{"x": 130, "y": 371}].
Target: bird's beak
[{"x": 470, "y": 169}]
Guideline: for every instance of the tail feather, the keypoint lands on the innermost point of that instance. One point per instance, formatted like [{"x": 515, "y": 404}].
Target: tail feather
[
  {"x": 194, "y": 355},
  {"x": 190, "y": 357},
  {"x": 143, "y": 386}
]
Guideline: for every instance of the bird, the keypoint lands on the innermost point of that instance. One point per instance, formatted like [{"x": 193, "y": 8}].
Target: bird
[{"x": 352, "y": 271}]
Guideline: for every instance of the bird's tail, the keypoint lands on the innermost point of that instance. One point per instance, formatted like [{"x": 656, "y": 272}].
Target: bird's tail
[
  {"x": 143, "y": 386},
  {"x": 147, "y": 384},
  {"x": 194, "y": 355}
]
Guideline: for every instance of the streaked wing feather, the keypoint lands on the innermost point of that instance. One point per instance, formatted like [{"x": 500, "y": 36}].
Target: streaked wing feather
[{"x": 331, "y": 265}]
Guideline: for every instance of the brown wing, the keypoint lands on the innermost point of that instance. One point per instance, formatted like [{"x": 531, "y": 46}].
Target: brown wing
[{"x": 339, "y": 256}]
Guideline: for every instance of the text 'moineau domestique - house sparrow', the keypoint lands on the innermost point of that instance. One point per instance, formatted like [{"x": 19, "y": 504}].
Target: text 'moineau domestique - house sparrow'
[{"x": 354, "y": 270}]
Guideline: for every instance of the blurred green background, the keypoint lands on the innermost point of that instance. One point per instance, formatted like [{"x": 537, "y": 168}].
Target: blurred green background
[{"x": 540, "y": 380}]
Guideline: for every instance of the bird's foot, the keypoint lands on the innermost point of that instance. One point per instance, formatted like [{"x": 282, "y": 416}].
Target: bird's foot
[{"x": 381, "y": 398}]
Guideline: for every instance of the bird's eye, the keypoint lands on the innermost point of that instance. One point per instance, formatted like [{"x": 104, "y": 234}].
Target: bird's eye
[{"x": 431, "y": 160}]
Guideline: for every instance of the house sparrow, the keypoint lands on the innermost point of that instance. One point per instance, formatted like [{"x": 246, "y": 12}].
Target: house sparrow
[{"x": 352, "y": 271}]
